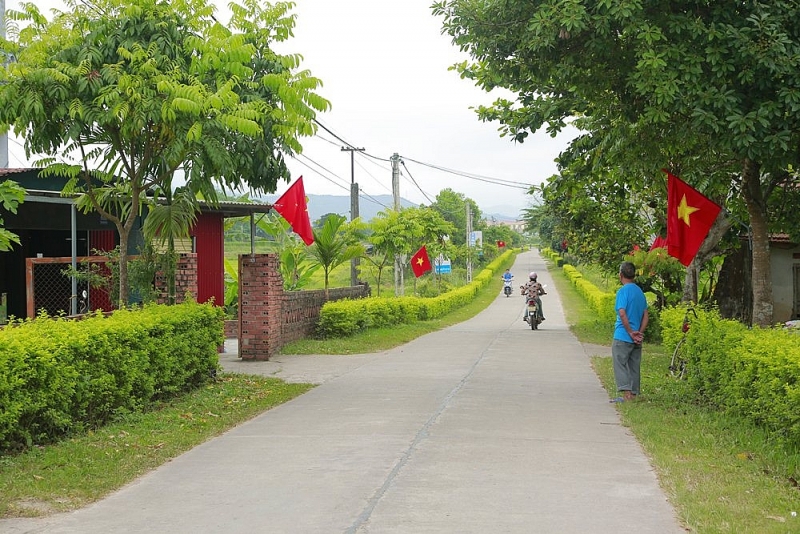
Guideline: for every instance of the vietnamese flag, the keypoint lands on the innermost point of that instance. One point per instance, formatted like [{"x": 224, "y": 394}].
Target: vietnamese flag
[
  {"x": 690, "y": 215},
  {"x": 420, "y": 262},
  {"x": 293, "y": 207},
  {"x": 658, "y": 242},
  {"x": 501, "y": 244}
]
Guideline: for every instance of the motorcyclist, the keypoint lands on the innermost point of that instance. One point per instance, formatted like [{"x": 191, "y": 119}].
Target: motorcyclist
[
  {"x": 507, "y": 277},
  {"x": 534, "y": 289}
]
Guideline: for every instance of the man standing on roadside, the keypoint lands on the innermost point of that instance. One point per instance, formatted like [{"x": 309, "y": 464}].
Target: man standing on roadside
[{"x": 626, "y": 349}]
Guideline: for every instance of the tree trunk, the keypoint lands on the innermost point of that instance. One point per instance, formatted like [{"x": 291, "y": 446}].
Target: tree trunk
[
  {"x": 171, "y": 268},
  {"x": 759, "y": 234},
  {"x": 124, "y": 233},
  {"x": 690, "y": 282},
  {"x": 124, "y": 238},
  {"x": 732, "y": 294},
  {"x": 707, "y": 251}
]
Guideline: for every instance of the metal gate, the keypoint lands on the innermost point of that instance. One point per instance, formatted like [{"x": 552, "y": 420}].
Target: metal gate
[{"x": 49, "y": 286}]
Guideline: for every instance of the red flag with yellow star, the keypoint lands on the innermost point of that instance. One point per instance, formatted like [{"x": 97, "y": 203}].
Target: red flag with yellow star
[
  {"x": 420, "y": 262},
  {"x": 690, "y": 215},
  {"x": 293, "y": 207}
]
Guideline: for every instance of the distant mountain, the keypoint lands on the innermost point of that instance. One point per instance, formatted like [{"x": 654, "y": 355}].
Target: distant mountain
[
  {"x": 499, "y": 217},
  {"x": 503, "y": 213},
  {"x": 368, "y": 208}
]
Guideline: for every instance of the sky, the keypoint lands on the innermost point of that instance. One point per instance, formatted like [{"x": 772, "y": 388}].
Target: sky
[{"x": 384, "y": 67}]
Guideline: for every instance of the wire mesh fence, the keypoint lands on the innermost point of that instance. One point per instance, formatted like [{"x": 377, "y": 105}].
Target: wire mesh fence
[{"x": 49, "y": 285}]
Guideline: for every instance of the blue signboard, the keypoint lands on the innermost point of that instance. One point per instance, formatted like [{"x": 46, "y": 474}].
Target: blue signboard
[{"x": 441, "y": 265}]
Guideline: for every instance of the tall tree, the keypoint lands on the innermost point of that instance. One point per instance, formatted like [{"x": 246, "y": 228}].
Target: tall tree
[
  {"x": 452, "y": 206},
  {"x": 120, "y": 95},
  {"x": 728, "y": 73},
  {"x": 401, "y": 233}
]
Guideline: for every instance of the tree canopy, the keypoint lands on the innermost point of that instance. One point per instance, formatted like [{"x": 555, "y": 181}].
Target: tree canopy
[
  {"x": 705, "y": 89},
  {"x": 121, "y": 95}
]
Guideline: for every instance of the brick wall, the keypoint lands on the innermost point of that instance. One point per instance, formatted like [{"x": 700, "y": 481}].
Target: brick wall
[
  {"x": 270, "y": 317},
  {"x": 301, "y": 309},
  {"x": 185, "y": 279}
]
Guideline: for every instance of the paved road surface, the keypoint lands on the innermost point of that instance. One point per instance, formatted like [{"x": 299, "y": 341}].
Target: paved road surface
[{"x": 484, "y": 427}]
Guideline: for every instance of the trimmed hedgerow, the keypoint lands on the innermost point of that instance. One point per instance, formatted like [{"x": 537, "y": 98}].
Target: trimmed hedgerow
[
  {"x": 346, "y": 317},
  {"x": 750, "y": 372},
  {"x": 60, "y": 376},
  {"x": 602, "y": 303}
]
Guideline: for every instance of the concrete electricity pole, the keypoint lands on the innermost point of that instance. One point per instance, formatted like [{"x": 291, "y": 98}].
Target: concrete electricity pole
[
  {"x": 395, "y": 159},
  {"x": 469, "y": 244},
  {"x": 353, "y": 205},
  {"x": 399, "y": 290}
]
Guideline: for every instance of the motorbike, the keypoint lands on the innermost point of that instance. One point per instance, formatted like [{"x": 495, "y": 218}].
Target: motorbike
[
  {"x": 507, "y": 289},
  {"x": 533, "y": 317}
]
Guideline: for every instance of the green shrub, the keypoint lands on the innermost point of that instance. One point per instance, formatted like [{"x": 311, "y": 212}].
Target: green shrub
[
  {"x": 752, "y": 373},
  {"x": 59, "y": 376},
  {"x": 346, "y": 317}
]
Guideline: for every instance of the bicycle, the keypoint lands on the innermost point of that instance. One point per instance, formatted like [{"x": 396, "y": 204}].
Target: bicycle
[{"x": 677, "y": 366}]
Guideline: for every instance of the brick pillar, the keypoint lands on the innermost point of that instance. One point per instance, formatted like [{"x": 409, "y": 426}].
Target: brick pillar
[
  {"x": 260, "y": 301},
  {"x": 185, "y": 279}
]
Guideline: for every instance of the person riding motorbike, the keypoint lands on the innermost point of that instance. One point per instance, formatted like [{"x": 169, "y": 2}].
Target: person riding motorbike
[
  {"x": 533, "y": 289},
  {"x": 507, "y": 278}
]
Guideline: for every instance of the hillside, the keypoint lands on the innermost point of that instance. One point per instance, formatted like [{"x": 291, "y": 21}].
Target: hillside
[{"x": 319, "y": 205}]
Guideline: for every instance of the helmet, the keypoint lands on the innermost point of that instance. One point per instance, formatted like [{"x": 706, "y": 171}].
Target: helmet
[{"x": 532, "y": 276}]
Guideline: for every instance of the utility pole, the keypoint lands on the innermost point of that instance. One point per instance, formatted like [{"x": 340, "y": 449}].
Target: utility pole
[
  {"x": 353, "y": 205},
  {"x": 398, "y": 264},
  {"x": 395, "y": 159},
  {"x": 469, "y": 244}
]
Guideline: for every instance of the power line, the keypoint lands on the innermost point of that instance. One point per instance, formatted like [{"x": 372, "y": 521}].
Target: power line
[
  {"x": 487, "y": 179},
  {"x": 312, "y": 169},
  {"x": 403, "y": 163},
  {"x": 345, "y": 142},
  {"x": 463, "y": 174},
  {"x": 361, "y": 193},
  {"x": 384, "y": 186}
]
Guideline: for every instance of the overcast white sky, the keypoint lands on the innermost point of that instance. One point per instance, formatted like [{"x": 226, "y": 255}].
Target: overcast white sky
[{"x": 384, "y": 68}]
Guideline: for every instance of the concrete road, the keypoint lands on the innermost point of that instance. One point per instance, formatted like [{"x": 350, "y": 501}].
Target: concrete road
[{"x": 484, "y": 427}]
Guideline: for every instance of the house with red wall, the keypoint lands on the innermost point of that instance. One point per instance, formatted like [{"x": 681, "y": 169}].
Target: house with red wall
[{"x": 50, "y": 229}]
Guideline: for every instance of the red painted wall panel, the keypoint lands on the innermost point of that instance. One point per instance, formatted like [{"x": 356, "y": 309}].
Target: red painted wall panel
[
  {"x": 209, "y": 237},
  {"x": 101, "y": 241}
]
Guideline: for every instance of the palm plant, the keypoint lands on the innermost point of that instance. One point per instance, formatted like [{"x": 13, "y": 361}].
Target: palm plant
[
  {"x": 171, "y": 216},
  {"x": 334, "y": 244}
]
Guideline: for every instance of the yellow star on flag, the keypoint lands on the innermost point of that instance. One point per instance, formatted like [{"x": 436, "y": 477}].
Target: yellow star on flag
[
  {"x": 684, "y": 210},
  {"x": 420, "y": 261}
]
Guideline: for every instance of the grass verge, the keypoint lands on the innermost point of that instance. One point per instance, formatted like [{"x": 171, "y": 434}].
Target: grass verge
[
  {"x": 75, "y": 472},
  {"x": 722, "y": 474}
]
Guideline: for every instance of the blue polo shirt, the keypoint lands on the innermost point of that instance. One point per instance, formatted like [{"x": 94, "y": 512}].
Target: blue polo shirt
[{"x": 632, "y": 299}]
